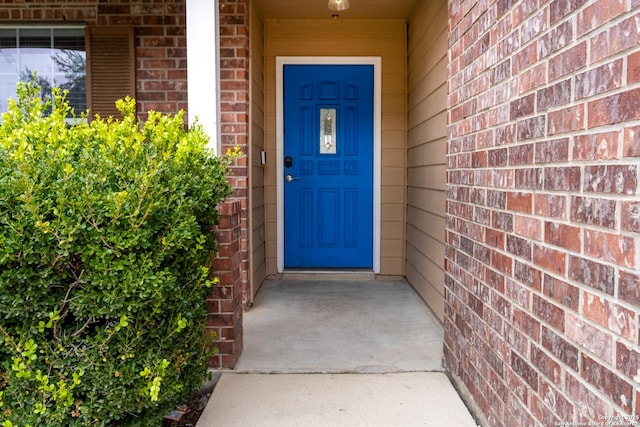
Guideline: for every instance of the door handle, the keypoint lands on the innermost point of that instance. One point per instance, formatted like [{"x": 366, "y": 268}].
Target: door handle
[{"x": 290, "y": 178}]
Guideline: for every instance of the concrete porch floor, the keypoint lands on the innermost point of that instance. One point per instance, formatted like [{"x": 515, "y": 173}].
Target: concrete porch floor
[{"x": 353, "y": 351}]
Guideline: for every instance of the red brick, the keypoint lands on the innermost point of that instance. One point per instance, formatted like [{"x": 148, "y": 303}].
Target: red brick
[
  {"x": 553, "y": 151},
  {"x": 556, "y": 95},
  {"x": 522, "y": 107},
  {"x": 561, "y": 292},
  {"x": 502, "y": 221},
  {"x": 559, "y": 36},
  {"x": 532, "y": 78},
  {"x": 562, "y": 8},
  {"x": 594, "y": 211},
  {"x": 562, "y": 178},
  {"x": 502, "y": 178},
  {"x": 587, "y": 402},
  {"x": 592, "y": 274},
  {"x": 495, "y": 280},
  {"x": 495, "y": 238},
  {"x": 604, "y": 78},
  {"x": 596, "y": 146},
  {"x": 527, "y": 275},
  {"x": 501, "y": 262},
  {"x": 496, "y": 199},
  {"x": 500, "y": 304},
  {"x": 609, "y": 247},
  {"x": 631, "y": 146},
  {"x": 528, "y": 179},
  {"x": 556, "y": 403},
  {"x": 506, "y": 134},
  {"x": 568, "y": 61},
  {"x": 559, "y": 347},
  {"x": 521, "y": 154},
  {"x": 566, "y": 120},
  {"x": 633, "y": 68},
  {"x": 562, "y": 235},
  {"x": 519, "y": 247},
  {"x": 621, "y": 107},
  {"x": 520, "y": 202},
  {"x": 613, "y": 179},
  {"x": 527, "y": 324},
  {"x": 113, "y": 9},
  {"x": 549, "y": 259},
  {"x": 589, "y": 337},
  {"x": 517, "y": 415},
  {"x": 629, "y": 287},
  {"x": 530, "y": 128},
  {"x": 617, "y": 38},
  {"x": 498, "y": 157},
  {"x": 525, "y": 57},
  {"x": 546, "y": 365},
  {"x": 597, "y": 14},
  {"x": 528, "y": 227},
  {"x": 617, "y": 319},
  {"x": 501, "y": 71},
  {"x": 627, "y": 361},
  {"x": 610, "y": 383},
  {"x": 550, "y": 205},
  {"x": 220, "y": 319},
  {"x": 524, "y": 370},
  {"x": 547, "y": 312}
]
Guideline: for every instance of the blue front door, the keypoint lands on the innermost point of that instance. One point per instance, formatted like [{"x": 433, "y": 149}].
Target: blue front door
[{"x": 328, "y": 166}]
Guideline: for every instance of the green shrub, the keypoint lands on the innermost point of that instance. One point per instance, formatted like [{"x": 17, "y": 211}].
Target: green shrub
[{"x": 105, "y": 238}]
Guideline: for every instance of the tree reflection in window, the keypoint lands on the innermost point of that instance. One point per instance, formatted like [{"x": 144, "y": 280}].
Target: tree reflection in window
[{"x": 56, "y": 56}]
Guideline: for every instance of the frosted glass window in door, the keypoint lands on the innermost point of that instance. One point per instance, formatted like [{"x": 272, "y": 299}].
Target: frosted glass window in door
[{"x": 327, "y": 131}]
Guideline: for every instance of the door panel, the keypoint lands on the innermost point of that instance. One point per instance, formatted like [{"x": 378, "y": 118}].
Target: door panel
[{"x": 328, "y": 187}]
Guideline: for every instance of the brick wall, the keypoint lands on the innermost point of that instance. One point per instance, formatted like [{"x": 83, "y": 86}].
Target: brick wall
[
  {"x": 543, "y": 214},
  {"x": 160, "y": 40},
  {"x": 234, "y": 100},
  {"x": 225, "y": 299}
]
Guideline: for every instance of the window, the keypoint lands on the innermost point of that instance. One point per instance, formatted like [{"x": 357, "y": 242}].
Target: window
[
  {"x": 96, "y": 64},
  {"x": 57, "y": 55}
]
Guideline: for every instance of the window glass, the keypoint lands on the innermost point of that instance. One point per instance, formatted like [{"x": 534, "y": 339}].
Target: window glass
[
  {"x": 56, "y": 55},
  {"x": 328, "y": 131}
]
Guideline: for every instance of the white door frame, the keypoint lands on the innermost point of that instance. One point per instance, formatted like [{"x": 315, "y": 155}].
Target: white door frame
[{"x": 376, "y": 61}]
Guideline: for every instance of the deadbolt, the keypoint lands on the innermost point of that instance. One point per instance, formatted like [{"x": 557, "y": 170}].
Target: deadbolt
[{"x": 288, "y": 162}]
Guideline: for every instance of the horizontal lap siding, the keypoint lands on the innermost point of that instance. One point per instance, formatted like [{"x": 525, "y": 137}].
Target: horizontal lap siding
[
  {"x": 256, "y": 141},
  {"x": 426, "y": 152},
  {"x": 543, "y": 244},
  {"x": 348, "y": 38}
]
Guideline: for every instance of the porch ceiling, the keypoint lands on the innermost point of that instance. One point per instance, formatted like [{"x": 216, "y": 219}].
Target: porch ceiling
[{"x": 317, "y": 9}]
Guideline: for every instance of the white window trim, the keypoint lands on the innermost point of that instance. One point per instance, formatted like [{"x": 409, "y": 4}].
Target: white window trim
[
  {"x": 281, "y": 61},
  {"x": 203, "y": 71}
]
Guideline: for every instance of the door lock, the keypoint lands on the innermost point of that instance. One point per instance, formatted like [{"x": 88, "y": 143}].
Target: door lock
[{"x": 288, "y": 162}]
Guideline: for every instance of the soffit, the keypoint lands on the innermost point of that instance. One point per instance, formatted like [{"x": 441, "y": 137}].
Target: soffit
[{"x": 317, "y": 9}]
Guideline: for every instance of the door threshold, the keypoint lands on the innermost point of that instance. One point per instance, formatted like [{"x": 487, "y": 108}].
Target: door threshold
[{"x": 328, "y": 274}]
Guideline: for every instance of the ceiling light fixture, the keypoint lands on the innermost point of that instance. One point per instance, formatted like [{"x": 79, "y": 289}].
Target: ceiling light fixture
[{"x": 339, "y": 4}]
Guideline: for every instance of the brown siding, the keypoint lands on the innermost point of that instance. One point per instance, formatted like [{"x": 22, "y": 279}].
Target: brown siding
[
  {"x": 426, "y": 151},
  {"x": 344, "y": 38},
  {"x": 256, "y": 144}
]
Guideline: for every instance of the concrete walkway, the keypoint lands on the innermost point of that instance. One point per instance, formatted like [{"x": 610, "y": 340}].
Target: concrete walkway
[{"x": 321, "y": 352}]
